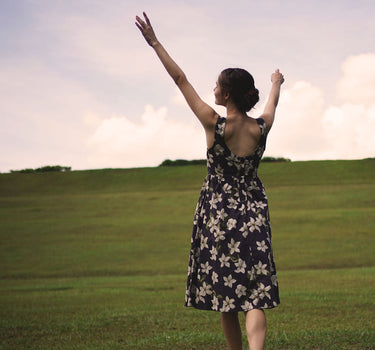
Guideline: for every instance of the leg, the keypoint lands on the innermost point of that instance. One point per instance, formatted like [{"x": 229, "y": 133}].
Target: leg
[
  {"x": 232, "y": 330},
  {"x": 256, "y": 327}
]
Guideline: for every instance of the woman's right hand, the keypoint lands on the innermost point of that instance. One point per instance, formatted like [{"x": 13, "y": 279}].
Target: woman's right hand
[
  {"x": 277, "y": 77},
  {"x": 146, "y": 29}
]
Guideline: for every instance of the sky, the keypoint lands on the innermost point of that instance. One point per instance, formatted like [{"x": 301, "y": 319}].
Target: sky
[{"x": 81, "y": 88}]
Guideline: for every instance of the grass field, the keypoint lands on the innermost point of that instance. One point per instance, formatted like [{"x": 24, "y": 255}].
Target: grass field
[{"x": 98, "y": 259}]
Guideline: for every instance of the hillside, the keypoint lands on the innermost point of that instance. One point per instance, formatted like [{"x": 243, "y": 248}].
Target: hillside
[
  {"x": 183, "y": 177},
  {"x": 97, "y": 259}
]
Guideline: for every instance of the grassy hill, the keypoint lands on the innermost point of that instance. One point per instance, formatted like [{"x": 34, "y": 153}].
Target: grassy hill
[{"x": 97, "y": 259}]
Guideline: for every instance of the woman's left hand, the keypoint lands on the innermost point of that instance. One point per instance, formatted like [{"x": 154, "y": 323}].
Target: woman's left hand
[{"x": 146, "y": 29}]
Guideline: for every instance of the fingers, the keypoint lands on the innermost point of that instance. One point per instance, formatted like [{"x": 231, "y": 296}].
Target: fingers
[
  {"x": 141, "y": 23},
  {"x": 146, "y": 18},
  {"x": 277, "y": 72}
]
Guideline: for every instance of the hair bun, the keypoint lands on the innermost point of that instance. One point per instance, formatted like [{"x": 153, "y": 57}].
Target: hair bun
[
  {"x": 252, "y": 98},
  {"x": 239, "y": 83}
]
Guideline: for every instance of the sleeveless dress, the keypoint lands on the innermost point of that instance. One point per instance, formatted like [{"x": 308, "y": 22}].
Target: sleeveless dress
[{"x": 231, "y": 265}]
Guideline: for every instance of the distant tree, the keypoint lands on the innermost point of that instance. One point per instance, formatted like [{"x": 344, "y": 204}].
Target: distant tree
[
  {"x": 44, "y": 169},
  {"x": 179, "y": 162},
  {"x": 274, "y": 160}
]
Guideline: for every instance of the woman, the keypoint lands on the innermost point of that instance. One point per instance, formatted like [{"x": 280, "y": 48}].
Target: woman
[{"x": 231, "y": 265}]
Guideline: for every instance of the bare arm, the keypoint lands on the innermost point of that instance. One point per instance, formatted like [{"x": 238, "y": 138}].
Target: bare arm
[
  {"x": 203, "y": 111},
  {"x": 269, "y": 110}
]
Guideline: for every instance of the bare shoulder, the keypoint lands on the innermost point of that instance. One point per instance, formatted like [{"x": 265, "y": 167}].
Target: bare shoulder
[
  {"x": 253, "y": 127},
  {"x": 268, "y": 121}
]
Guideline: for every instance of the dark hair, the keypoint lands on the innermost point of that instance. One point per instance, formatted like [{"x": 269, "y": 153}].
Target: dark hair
[{"x": 239, "y": 83}]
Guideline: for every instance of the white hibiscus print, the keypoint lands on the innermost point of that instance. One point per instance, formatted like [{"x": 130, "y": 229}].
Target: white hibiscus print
[
  {"x": 213, "y": 224},
  {"x": 252, "y": 274},
  {"x": 260, "y": 204},
  {"x": 204, "y": 242},
  {"x": 263, "y": 291},
  {"x": 224, "y": 260},
  {"x": 262, "y": 246},
  {"x": 251, "y": 206},
  {"x": 228, "y": 304},
  {"x": 254, "y": 225},
  {"x": 213, "y": 253},
  {"x": 216, "y": 198},
  {"x": 261, "y": 268},
  {"x": 232, "y": 203},
  {"x": 261, "y": 220},
  {"x": 221, "y": 215},
  {"x": 247, "y": 306},
  {"x": 205, "y": 268},
  {"x": 233, "y": 246},
  {"x": 240, "y": 290},
  {"x": 242, "y": 208},
  {"x": 254, "y": 297},
  {"x": 228, "y": 281},
  {"x": 198, "y": 296},
  {"x": 219, "y": 171},
  {"x": 244, "y": 229},
  {"x": 215, "y": 303},
  {"x": 219, "y": 149},
  {"x": 240, "y": 266},
  {"x": 205, "y": 289},
  {"x": 219, "y": 235},
  {"x": 215, "y": 278},
  {"x": 231, "y": 224},
  {"x": 220, "y": 129},
  {"x": 227, "y": 188}
]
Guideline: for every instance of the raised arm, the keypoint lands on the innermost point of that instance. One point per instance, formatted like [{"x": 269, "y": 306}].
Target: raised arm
[
  {"x": 269, "y": 110},
  {"x": 203, "y": 111}
]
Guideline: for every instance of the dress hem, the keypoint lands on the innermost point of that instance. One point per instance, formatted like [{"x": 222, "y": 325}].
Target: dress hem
[{"x": 233, "y": 310}]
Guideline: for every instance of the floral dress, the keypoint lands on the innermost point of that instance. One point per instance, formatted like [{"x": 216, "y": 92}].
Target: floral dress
[{"x": 231, "y": 265}]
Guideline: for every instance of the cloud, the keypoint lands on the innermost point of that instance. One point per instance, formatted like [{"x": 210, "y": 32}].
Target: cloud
[
  {"x": 298, "y": 131},
  {"x": 348, "y": 130},
  {"x": 357, "y": 84},
  {"x": 42, "y": 116},
  {"x": 307, "y": 127},
  {"x": 120, "y": 142}
]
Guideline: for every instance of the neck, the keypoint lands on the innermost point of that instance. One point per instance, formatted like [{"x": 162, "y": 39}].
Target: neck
[{"x": 232, "y": 110}]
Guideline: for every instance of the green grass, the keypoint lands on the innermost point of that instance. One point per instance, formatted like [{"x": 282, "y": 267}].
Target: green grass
[{"x": 98, "y": 259}]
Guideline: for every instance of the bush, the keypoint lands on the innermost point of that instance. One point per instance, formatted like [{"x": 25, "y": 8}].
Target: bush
[
  {"x": 274, "y": 160},
  {"x": 44, "y": 169},
  {"x": 179, "y": 162}
]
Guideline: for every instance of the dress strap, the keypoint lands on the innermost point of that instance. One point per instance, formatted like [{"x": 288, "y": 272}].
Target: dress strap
[
  {"x": 219, "y": 128},
  {"x": 262, "y": 125}
]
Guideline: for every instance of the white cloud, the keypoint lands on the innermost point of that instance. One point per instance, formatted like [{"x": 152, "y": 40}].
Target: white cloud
[
  {"x": 307, "y": 127},
  {"x": 348, "y": 130},
  {"x": 83, "y": 62},
  {"x": 298, "y": 131},
  {"x": 120, "y": 142},
  {"x": 357, "y": 84},
  {"x": 42, "y": 116}
]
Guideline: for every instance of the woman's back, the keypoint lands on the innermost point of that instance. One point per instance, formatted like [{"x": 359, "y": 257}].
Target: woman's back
[{"x": 242, "y": 135}]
